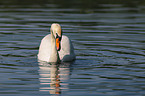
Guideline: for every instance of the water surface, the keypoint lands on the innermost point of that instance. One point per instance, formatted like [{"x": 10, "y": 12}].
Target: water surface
[{"x": 109, "y": 42}]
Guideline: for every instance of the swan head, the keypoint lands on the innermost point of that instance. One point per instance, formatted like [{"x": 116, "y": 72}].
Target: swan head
[{"x": 56, "y": 30}]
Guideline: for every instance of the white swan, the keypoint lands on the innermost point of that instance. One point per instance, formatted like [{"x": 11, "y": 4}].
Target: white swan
[{"x": 55, "y": 46}]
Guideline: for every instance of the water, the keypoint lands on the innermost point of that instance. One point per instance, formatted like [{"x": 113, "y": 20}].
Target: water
[{"x": 109, "y": 41}]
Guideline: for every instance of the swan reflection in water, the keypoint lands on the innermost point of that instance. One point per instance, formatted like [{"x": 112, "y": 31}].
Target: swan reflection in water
[{"x": 54, "y": 77}]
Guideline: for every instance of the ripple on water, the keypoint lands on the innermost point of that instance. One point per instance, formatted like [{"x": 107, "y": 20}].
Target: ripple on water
[{"x": 108, "y": 41}]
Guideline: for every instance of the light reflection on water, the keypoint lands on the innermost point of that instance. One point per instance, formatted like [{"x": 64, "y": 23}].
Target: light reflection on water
[
  {"x": 108, "y": 39},
  {"x": 54, "y": 77}
]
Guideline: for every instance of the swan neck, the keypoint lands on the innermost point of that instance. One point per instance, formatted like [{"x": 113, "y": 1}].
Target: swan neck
[{"x": 54, "y": 57}]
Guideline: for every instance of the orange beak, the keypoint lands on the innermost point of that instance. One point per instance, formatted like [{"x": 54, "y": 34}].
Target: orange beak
[{"x": 58, "y": 44}]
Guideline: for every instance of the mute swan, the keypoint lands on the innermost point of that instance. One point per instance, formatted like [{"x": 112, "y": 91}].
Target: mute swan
[{"x": 56, "y": 47}]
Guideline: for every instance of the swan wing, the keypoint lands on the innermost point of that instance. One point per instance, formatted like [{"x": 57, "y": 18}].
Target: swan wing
[
  {"x": 67, "y": 50},
  {"x": 45, "y": 48}
]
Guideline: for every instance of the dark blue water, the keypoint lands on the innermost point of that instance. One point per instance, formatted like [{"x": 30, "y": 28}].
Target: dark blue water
[{"x": 109, "y": 42}]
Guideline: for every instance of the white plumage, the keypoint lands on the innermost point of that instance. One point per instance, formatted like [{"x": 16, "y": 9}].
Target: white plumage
[{"x": 48, "y": 51}]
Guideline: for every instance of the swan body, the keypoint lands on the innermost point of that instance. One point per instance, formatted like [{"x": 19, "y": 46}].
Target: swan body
[{"x": 50, "y": 51}]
